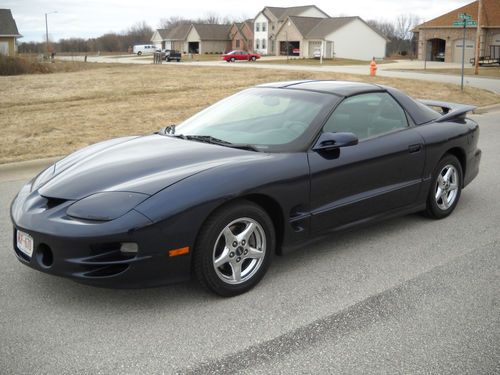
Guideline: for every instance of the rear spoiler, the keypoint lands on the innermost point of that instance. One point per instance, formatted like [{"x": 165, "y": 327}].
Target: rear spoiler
[{"x": 449, "y": 110}]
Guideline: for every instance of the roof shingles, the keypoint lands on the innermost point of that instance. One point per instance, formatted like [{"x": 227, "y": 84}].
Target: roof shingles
[
  {"x": 8, "y": 26},
  {"x": 490, "y": 16}
]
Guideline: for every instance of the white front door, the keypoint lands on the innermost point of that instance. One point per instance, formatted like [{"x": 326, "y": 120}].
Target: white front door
[{"x": 4, "y": 48}]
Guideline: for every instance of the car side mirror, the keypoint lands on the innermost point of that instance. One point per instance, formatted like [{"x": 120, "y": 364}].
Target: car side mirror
[{"x": 333, "y": 141}]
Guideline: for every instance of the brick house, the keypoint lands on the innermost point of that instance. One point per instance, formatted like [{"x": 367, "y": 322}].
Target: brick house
[
  {"x": 437, "y": 36},
  {"x": 241, "y": 35},
  {"x": 8, "y": 33}
]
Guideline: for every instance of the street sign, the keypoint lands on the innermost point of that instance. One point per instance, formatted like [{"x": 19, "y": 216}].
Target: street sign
[
  {"x": 467, "y": 23},
  {"x": 464, "y": 16}
]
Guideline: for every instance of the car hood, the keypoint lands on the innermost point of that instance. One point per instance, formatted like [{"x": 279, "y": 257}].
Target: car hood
[{"x": 145, "y": 165}]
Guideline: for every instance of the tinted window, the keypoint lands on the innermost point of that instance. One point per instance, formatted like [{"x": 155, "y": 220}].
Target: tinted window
[{"x": 367, "y": 115}]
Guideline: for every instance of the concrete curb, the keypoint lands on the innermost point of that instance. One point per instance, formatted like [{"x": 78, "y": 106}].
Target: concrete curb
[{"x": 487, "y": 108}]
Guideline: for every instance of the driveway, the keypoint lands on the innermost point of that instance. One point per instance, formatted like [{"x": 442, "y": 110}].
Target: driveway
[{"x": 408, "y": 295}]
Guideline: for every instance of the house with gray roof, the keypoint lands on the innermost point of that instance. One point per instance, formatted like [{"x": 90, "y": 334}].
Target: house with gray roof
[
  {"x": 342, "y": 37},
  {"x": 270, "y": 19},
  {"x": 194, "y": 38},
  {"x": 8, "y": 33},
  {"x": 173, "y": 38},
  {"x": 208, "y": 38}
]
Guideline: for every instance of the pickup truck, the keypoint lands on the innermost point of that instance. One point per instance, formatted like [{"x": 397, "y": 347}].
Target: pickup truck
[{"x": 171, "y": 54}]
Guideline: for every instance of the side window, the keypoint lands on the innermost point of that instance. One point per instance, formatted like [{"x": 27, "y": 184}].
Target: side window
[{"x": 367, "y": 115}]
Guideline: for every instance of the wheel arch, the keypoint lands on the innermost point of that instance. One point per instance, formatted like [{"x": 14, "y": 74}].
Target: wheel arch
[
  {"x": 272, "y": 208},
  {"x": 275, "y": 212},
  {"x": 460, "y": 155}
]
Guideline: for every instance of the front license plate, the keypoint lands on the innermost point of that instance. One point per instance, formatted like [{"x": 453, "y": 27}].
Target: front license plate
[{"x": 25, "y": 243}]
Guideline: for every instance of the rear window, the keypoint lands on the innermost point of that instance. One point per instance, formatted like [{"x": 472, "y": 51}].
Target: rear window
[{"x": 420, "y": 113}]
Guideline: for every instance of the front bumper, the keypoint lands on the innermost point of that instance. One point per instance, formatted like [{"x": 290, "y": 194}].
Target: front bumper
[{"x": 89, "y": 252}]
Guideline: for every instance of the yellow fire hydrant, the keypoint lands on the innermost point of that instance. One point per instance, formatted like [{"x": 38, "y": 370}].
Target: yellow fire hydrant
[{"x": 373, "y": 68}]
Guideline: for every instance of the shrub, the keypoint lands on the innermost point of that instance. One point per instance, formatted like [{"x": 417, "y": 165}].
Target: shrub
[{"x": 10, "y": 66}]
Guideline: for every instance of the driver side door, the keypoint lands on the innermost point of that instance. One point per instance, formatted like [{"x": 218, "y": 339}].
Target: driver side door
[{"x": 383, "y": 172}]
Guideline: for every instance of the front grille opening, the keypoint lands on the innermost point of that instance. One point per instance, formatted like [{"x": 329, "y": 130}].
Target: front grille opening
[{"x": 106, "y": 271}]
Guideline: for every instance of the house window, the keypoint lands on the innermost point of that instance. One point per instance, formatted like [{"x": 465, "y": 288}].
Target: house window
[
  {"x": 264, "y": 26},
  {"x": 257, "y": 26},
  {"x": 263, "y": 43},
  {"x": 257, "y": 46},
  {"x": 237, "y": 43}
]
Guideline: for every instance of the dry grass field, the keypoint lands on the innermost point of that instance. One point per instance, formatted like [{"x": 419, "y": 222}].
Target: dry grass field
[{"x": 54, "y": 114}]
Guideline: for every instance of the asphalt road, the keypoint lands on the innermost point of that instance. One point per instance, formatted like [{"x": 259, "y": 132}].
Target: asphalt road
[{"x": 409, "y": 295}]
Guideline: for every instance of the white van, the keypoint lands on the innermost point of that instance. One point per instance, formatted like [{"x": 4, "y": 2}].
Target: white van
[{"x": 140, "y": 49}]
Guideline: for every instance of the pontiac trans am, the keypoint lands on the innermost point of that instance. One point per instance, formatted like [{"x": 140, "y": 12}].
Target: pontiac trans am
[{"x": 259, "y": 173}]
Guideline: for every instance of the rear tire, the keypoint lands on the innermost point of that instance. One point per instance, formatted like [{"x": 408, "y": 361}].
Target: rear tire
[
  {"x": 234, "y": 249},
  {"x": 253, "y": 58},
  {"x": 446, "y": 187},
  {"x": 139, "y": 53}
]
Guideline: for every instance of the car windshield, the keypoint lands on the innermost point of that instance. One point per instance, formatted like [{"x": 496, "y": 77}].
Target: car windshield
[{"x": 267, "y": 118}]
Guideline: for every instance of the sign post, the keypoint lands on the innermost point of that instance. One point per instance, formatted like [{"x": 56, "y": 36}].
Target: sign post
[{"x": 463, "y": 21}]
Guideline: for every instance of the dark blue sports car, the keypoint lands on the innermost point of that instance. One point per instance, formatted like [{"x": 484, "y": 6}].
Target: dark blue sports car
[{"x": 261, "y": 172}]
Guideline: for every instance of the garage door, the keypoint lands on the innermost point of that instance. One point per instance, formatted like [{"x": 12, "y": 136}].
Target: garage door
[{"x": 457, "y": 51}]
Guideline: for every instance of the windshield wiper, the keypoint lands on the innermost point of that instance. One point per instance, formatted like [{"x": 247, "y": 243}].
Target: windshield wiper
[{"x": 220, "y": 142}]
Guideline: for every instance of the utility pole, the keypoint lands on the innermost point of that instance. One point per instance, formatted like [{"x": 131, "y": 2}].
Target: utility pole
[
  {"x": 47, "y": 31},
  {"x": 463, "y": 54},
  {"x": 478, "y": 37}
]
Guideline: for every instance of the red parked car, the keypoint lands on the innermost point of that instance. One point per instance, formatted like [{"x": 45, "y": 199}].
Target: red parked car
[{"x": 240, "y": 55}]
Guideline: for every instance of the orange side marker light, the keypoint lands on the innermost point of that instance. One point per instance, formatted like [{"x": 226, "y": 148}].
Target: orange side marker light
[{"x": 180, "y": 251}]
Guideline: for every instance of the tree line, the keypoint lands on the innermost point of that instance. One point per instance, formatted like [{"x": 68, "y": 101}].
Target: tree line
[
  {"x": 399, "y": 34},
  {"x": 139, "y": 33}
]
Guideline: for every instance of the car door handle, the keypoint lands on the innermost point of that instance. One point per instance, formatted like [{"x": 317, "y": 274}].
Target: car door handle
[{"x": 414, "y": 148}]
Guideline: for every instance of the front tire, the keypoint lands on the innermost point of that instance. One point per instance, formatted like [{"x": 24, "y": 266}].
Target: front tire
[
  {"x": 253, "y": 58},
  {"x": 234, "y": 249},
  {"x": 233, "y": 59},
  {"x": 446, "y": 187}
]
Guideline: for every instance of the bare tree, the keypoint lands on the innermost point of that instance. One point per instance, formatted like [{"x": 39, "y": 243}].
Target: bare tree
[
  {"x": 172, "y": 21},
  {"x": 405, "y": 24}
]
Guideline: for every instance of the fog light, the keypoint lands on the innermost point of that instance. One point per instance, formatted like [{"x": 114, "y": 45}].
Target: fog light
[{"x": 129, "y": 248}]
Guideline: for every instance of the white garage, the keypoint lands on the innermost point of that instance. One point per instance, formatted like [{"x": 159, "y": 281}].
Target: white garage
[
  {"x": 344, "y": 37},
  {"x": 457, "y": 50}
]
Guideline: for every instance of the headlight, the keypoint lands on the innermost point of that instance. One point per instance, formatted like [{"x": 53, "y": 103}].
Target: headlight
[
  {"x": 43, "y": 177},
  {"x": 105, "y": 206}
]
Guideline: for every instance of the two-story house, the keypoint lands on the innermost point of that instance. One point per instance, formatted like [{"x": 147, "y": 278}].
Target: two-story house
[{"x": 270, "y": 19}]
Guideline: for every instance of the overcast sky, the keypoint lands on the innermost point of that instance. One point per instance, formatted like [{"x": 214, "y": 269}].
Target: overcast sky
[{"x": 90, "y": 18}]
